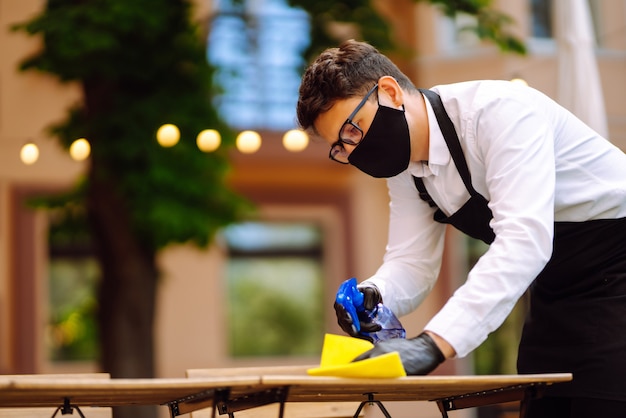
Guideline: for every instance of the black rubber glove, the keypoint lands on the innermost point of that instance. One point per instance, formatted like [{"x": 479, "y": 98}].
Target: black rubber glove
[
  {"x": 419, "y": 355},
  {"x": 371, "y": 298}
]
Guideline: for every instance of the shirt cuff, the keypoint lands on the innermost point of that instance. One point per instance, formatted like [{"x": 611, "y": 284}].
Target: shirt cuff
[{"x": 458, "y": 328}]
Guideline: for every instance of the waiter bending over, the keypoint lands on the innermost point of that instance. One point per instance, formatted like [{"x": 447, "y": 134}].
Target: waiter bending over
[{"x": 505, "y": 164}]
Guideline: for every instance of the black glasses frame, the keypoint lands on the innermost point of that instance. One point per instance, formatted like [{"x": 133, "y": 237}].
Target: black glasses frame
[{"x": 337, "y": 146}]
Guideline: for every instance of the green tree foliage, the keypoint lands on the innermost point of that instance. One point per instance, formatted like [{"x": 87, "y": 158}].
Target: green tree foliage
[
  {"x": 491, "y": 25},
  {"x": 141, "y": 64},
  {"x": 359, "y": 14}
]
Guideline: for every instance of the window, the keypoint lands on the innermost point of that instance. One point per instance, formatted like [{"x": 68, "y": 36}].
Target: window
[
  {"x": 454, "y": 37},
  {"x": 541, "y": 19},
  {"x": 543, "y": 30},
  {"x": 275, "y": 288},
  {"x": 256, "y": 47},
  {"x": 596, "y": 19},
  {"x": 72, "y": 332}
]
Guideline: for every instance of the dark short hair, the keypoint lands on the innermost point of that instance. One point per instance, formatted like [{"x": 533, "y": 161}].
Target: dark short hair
[{"x": 341, "y": 73}]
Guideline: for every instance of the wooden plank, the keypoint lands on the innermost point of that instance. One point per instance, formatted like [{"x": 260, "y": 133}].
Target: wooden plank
[
  {"x": 113, "y": 392},
  {"x": 47, "y": 412},
  {"x": 411, "y": 388}
]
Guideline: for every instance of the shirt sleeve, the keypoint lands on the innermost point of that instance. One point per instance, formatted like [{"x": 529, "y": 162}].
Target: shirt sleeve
[
  {"x": 414, "y": 249},
  {"x": 513, "y": 137}
]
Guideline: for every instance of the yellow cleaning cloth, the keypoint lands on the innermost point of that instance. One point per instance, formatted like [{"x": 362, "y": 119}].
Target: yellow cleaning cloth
[{"x": 339, "y": 351}]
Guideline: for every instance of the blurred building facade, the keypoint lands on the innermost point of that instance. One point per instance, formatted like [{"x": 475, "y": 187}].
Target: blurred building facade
[{"x": 349, "y": 207}]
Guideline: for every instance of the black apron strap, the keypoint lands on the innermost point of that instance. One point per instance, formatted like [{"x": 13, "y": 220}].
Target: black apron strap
[
  {"x": 451, "y": 138},
  {"x": 423, "y": 193},
  {"x": 474, "y": 216}
]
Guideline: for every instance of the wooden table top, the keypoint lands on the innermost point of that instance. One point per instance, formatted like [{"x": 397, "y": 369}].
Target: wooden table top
[
  {"x": 15, "y": 392},
  {"x": 410, "y": 388},
  {"x": 34, "y": 391}
]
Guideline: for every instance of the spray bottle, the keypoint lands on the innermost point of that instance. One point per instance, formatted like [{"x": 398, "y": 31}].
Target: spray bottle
[{"x": 352, "y": 300}]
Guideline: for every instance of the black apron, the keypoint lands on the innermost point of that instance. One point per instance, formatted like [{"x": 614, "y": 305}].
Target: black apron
[
  {"x": 577, "y": 317},
  {"x": 474, "y": 216}
]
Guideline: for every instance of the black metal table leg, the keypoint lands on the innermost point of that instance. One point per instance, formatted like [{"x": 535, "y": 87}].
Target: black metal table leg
[
  {"x": 521, "y": 393},
  {"x": 67, "y": 409},
  {"x": 371, "y": 401}
]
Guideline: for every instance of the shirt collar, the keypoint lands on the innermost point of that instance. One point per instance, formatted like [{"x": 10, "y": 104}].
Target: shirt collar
[{"x": 438, "y": 154}]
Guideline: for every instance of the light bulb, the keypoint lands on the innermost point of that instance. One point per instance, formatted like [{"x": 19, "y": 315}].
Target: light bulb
[
  {"x": 208, "y": 140},
  {"x": 248, "y": 142},
  {"x": 29, "y": 153},
  {"x": 80, "y": 149},
  {"x": 295, "y": 140},
  {"x": 168, "y": 135}
]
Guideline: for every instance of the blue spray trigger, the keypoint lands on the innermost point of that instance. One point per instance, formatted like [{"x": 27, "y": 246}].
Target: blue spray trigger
[{"x": 351, "y": 299}]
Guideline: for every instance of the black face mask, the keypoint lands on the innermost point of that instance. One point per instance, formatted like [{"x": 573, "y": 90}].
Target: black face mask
[{"x": 385, "y": 150}]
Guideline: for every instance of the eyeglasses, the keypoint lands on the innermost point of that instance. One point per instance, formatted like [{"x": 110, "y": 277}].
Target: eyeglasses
[{"x": 350, "y": 134}]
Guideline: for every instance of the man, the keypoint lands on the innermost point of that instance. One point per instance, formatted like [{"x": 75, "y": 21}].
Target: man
[{"x": 505, "y": 164}]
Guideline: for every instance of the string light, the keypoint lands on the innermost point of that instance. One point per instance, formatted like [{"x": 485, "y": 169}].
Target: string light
[
  {"x": 295, "y": 140},
  {"x": 168, "y": 135},
  {"x": 80, "y": 149},
  {"x": 248, "y": 142},
  {"x": 208, "y": 140},
  {"x": 29, "y": 153}
]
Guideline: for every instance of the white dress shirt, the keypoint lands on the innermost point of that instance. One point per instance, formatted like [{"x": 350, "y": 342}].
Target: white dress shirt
[{"x": 535, "y": 163}]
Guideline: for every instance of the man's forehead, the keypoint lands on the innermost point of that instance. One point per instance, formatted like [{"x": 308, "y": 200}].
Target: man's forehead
[
  {"x": 320, "y": 129},
  {"x": 328, "y": 123}
]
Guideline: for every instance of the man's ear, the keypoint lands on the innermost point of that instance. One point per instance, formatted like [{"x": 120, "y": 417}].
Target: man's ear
[{"x": 392, "y": 94}]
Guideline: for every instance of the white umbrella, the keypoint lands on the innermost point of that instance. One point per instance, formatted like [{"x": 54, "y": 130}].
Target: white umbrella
[{"x": 579, "y": 86}]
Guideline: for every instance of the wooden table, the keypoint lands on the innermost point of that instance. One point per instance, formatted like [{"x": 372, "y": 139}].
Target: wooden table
[{"x": 229, "y": 394}]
